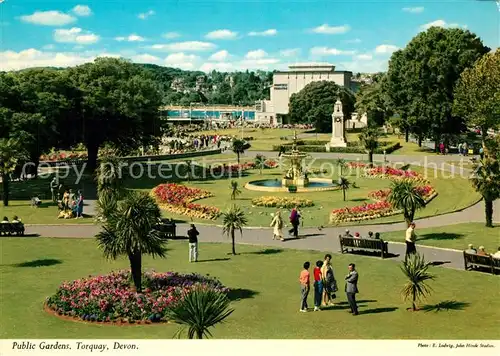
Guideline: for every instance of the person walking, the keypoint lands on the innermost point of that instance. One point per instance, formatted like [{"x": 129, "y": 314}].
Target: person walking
[
  {"x": 351, "y": 288},
  {"x": 318, "y": 286},
  {"x": 329, "y": 282},
  {"x": 304, "y": 286},
  {"x": 277, "y": 224},
  {"x": 295, "y": 221},
  {"x": 410, "y": 239},
  {"x": 193, "y": 243}
]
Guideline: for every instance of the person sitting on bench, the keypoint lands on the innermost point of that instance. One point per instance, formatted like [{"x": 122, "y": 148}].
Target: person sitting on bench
[
  {"x": 5, "y": 220},
  {"x": 18, "y": 225}
]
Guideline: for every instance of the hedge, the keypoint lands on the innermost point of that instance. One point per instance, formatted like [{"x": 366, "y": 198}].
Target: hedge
[{"x": 389, "y": 148}]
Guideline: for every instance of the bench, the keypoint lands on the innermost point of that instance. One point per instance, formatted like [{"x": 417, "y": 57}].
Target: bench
[
  {"x": 9, "y": 229},
  {"x": 475, "y": 262},
  {"x": 167, "y": 228},
  {"x": 358, "y": 244}
]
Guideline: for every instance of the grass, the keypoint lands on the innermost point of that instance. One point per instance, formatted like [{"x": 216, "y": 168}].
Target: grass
[
  {"x": 268, "y": 305},
  {"x": 454, "y": 236}
]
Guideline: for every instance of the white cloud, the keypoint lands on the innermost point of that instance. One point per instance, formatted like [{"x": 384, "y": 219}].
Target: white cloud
[
  {"x": 188, "y": 46},
  {"x": 257, "y": 54},
  {"x": 357, "y": 66},
  {"x": 331, "y": 30},
  {"x": 354, "y": 40},
  {"x": 270, "y": 32},
  {"x": 414, "y": 10},
  {"x": 221, "y": 35},
  {"x": 220, "y": 56},
  {"x": 170, "y": 35},
  {"x": 182, "y": 60},
  {"x": 263, "y": 63},
  {"x": 325, "y": 51},
  {"x": 75, "y": 35},
  {"x": 131, "y": 38},
  {"x": 49, "y": 18},
  {"x": 145, "y": 15},
  {"x": 219, "y": 66},
  {"x": 440, "y": 23},
  {"x": 49, "y": 47},
  {"x": 364, "y": 57},
  {"x": 386, "y": 49},
  {"x": 291, "y": 52},
  {"x": 145, "y": 58},
  {"x": 82, "y": 10},
  {"x": 10, "y": 60}
]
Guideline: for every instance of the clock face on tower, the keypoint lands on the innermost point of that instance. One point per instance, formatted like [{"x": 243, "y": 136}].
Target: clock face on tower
[{"x": 338, "y": 119}]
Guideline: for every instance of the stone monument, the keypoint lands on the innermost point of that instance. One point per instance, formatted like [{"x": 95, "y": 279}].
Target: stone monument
[{"x": 338, "y": 128}]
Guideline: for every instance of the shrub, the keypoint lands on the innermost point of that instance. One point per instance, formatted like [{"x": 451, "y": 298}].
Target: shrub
[{"x": 281, "y": 202}]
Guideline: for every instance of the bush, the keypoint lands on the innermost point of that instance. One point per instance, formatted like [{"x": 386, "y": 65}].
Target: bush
[
  {"x": 389, "y": 147},
  {"x": 109, "y": 297},
  {"x": 280, "y": 202}
]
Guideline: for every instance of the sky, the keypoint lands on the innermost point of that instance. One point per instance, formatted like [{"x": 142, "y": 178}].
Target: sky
[{"x": 229, "y": 35}]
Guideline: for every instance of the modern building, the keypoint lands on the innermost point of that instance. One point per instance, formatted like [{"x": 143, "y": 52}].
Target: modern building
[{"x": 287, "y": 83}]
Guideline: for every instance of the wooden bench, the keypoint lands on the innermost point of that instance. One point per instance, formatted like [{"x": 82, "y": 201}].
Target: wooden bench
[
  {"x": 474, "y": 262},
  {"x": 359, "y": 244},
  {"x": 9, "y": 229},
  {"x": 167, "y": 228}
]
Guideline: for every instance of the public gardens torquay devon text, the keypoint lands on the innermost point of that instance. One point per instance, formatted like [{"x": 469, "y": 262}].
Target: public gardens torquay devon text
[{"x": 74, "y": 345}]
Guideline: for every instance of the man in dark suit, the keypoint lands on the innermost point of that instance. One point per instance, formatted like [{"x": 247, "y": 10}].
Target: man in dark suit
[{"x": 351, "y": 288}]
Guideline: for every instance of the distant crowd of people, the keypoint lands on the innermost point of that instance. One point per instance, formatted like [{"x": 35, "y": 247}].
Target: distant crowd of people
[{"x": 481, "y": 251}]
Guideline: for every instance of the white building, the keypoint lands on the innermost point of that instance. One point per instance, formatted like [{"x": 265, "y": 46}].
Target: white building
[{"x": 287, "y": 83}]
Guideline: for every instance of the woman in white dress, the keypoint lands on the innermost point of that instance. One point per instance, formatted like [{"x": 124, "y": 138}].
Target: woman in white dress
[{"x": 277, "y": 224}]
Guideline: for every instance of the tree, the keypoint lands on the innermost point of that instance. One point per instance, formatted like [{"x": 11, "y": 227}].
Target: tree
[
  {"x": 200, "y": 309},
  {"x": 486, "y": 178},
  {"x": 233, "y": 219},
  {"x": 315, "y": 103},
  {"x": 404, "y": 196},
  {"x": 477, "y": 94},
  {"x": 415, "y": 269},
  {"x": 422, "y": 77},
  {"x": 235, "y": 191},
  {"x": 11, "y": 152},
  {"x": 129, "y": 230},
  {"x": 341, "y": 163},
  {"x": 110, "y": 180},
  {"x": 118, "y": 105},
  {"x": 260, "y": 161},
  {"x": 239, "y": 147},
  {"x": 344, "y": 184},
  {"x": 369, "y": 139},
  {"x": 372, "y": 99}
]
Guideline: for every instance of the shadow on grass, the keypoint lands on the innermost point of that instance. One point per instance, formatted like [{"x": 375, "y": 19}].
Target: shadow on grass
[
  {"x": 358, "y": 199},
  {"x": 215, "y": 260},
  {"x": 241, "y": 293},
  {"x": 39, "y": 263},
  {"x": 267, "y": 251},
  {"x": 446, "y": 305},
  {"x": 373, "y": 253},
  {"x": 360, "y": 301},
  {"x": 378, "y": 310},
  {"x": 439, "y": 263},
  {"x": 440, "y": 236}
]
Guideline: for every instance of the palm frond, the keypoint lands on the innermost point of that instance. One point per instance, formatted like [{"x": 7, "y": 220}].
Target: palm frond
[{"x": 415, "y": 269}]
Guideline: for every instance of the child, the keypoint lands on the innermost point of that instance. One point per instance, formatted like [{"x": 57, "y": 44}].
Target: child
[
  {"x": 318, "y": 285},
  {"x": 304, "y": 286}
]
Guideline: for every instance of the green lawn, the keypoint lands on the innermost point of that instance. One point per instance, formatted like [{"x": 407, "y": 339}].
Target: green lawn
[
  {"x": 269, "y": 302},
  {"x": 454, "y": 236}
]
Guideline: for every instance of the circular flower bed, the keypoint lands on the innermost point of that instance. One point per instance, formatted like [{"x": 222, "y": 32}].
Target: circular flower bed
[
  {"x": 109, "y": 298},
  {"x": 281, "y": 202}
]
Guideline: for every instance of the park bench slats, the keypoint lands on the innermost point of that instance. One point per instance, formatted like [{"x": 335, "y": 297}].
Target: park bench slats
[
  {"x": 360, "y": 244},
  {"x": 11, "y": 229},
  {"x": 167, "y": 228},
  {"x": 474, "y": 262}
]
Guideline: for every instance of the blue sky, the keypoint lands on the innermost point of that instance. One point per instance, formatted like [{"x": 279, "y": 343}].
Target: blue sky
[{"x": 229, "y": 35}]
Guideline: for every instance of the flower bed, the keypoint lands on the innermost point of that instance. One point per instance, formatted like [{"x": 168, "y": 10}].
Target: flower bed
[
  {"x": 281, "y": 202},
  {"x": 61, "y": 156},
  {"x": 270, "y": 163},
  {"x": 109, "y": 298},
  {"x": 390, "y": 173},
  {"x": 232, "y": 169},
  {"x": 178, "y": 198}
]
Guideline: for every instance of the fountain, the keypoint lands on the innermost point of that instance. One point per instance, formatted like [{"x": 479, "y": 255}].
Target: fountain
[{"x": 295, "y": 179}]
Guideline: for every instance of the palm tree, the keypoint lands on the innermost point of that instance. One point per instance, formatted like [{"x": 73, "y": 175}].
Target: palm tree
[
  {"x": 234, "y": 190},
  {"x": 486, "y": 181},
  {"x": 200, "y": 309},
  {"x": 129, "y": 230},
  {"x": 404, "y": 196},
  {"x": 239, "y": 147},
  {"x": 11, "y": 152},
  {"x": 369, "y": 139},
  {"x": 341, "y": 163},
  {"x": 110, "y": 180},
  {"x": 260, "y": 161},
  {"x": 344, "y": 184},
  {"x": 233, "y": 219},
  {"x": 415, "y": 269}
]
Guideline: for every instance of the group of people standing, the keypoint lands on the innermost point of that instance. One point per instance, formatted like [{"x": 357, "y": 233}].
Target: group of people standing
[
  {"x": 277, "y": 224},
  {"x": 69, "y": 203},
  {"x": 325, "y": 285}
]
